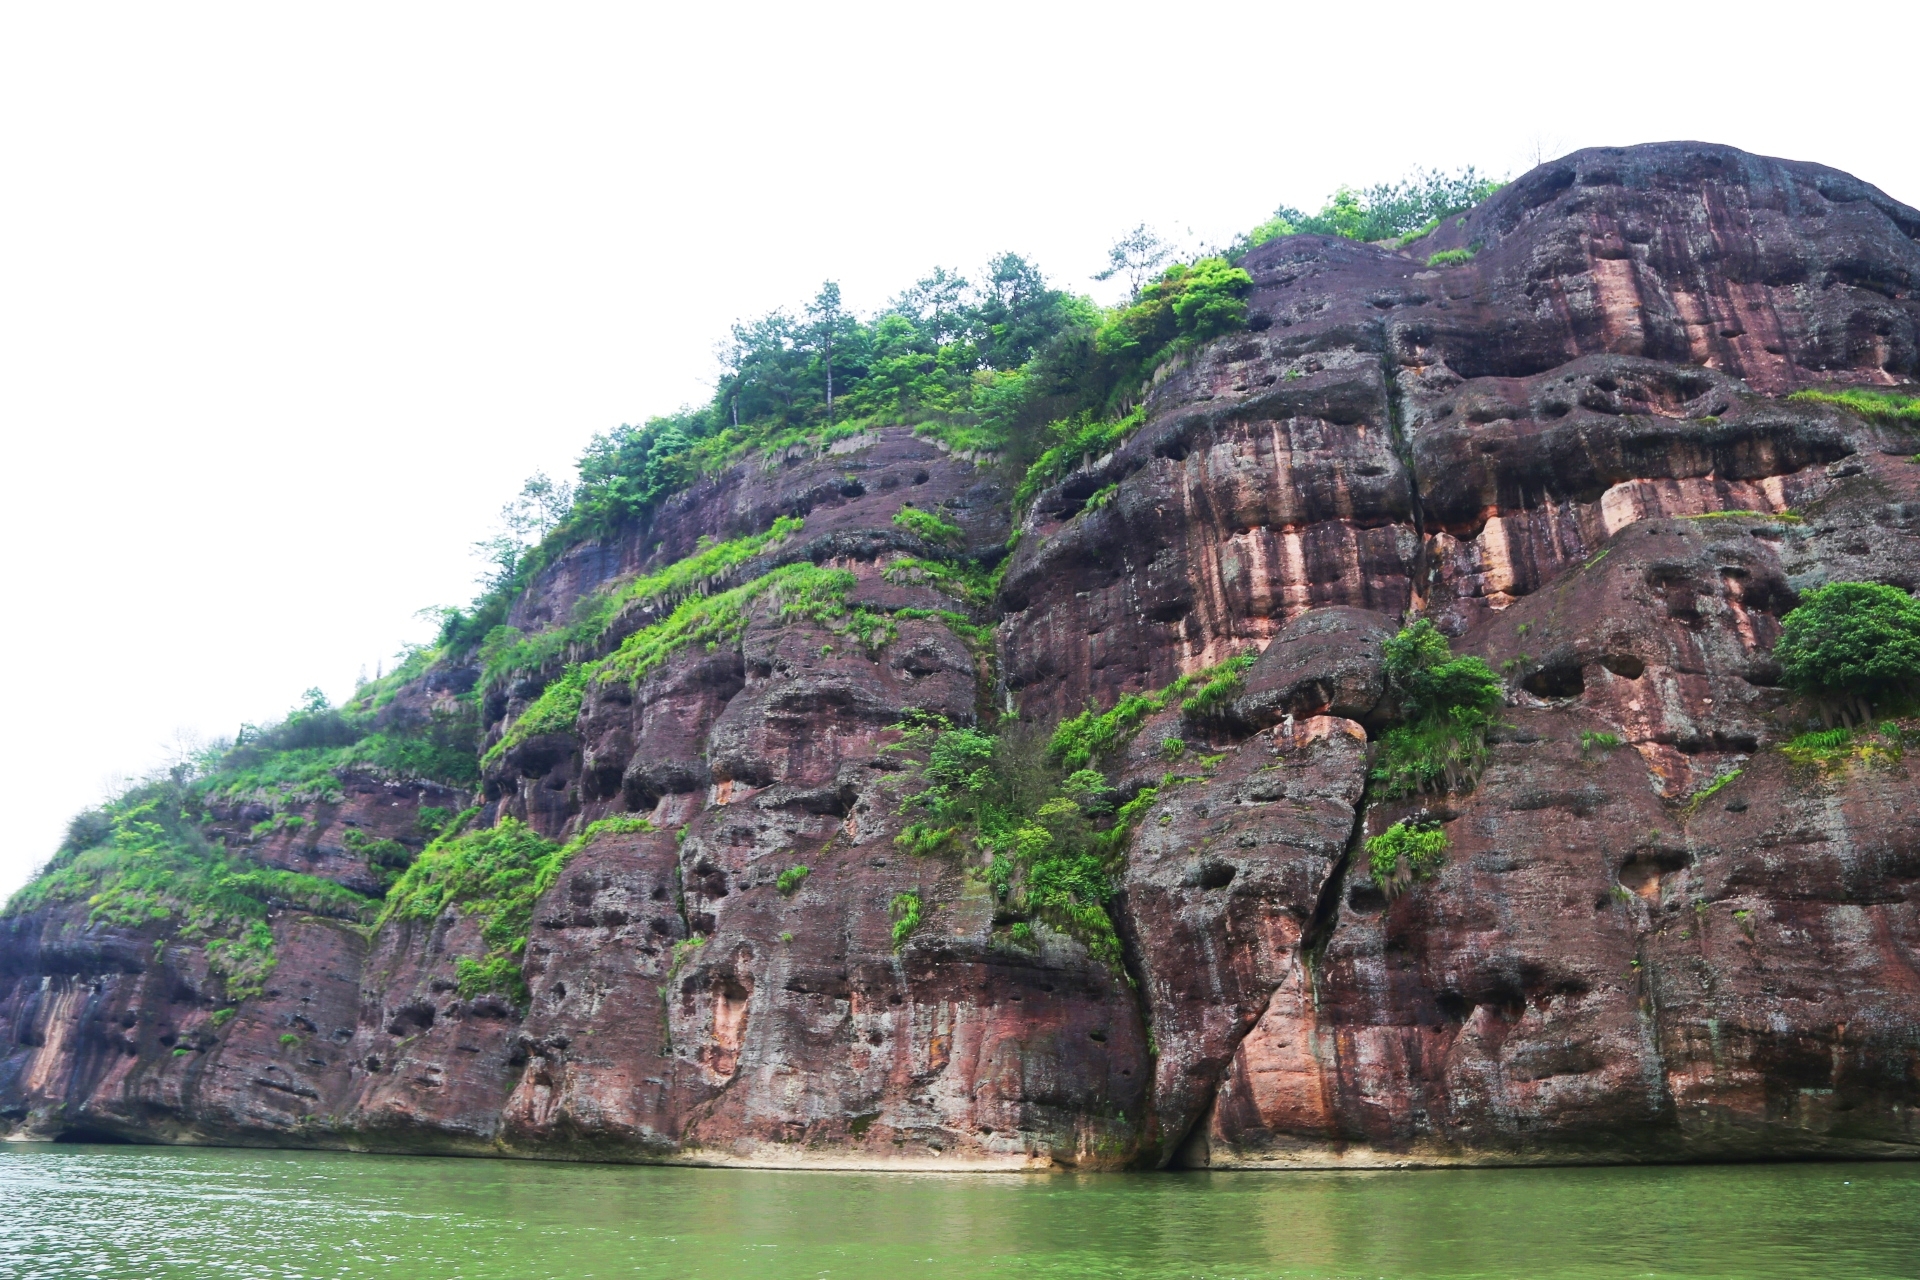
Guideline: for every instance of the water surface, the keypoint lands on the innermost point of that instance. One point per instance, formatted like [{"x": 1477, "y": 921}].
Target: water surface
[{"x": 111, "y": 1212}]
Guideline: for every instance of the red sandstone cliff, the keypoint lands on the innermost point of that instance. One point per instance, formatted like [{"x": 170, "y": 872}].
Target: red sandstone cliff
[{"x": 1607, "y": 967}]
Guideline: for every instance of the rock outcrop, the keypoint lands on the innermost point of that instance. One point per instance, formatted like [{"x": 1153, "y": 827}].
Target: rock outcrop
[{"x": 1655, "y": 936}]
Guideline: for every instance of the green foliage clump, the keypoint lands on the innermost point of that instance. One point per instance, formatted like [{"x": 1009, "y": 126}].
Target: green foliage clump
[
  {"x": 300, "y": 760},
  {"x": 142, "y": 861},
  {"x": 1002, "y": 365},
  {"x": 1449, "y": 704},
  {"x": 1073, "y": 442},
  {"x": 792, "y": 591},
  {"x": 1221, "y": 685},
  {"x": 1092, "y": 735},
  {"x": 1828, "y": 748},
  {"x": 1450, "y": 257},
  {"x": 905, "y": 910},
  {"x": 795, "y": 591},
  {"x": 506, "y": 650},
  {"x": 1405, "y": 852},
  {"x": 385, "y": 859},
  {"x": 1711, "y": 790},
  {"x": 1886, "y": 407},
  {"x": 495, "y": 876},
  {"x": 788, "y": 882},
  {"x": 556, "y": 710},
  {"x": 1593, "y": 738},
  {"x": 1404, "y": 210},
  {"x": 1852, "y": 645},
  {"x": 926, "y": 524},
  {"x": 1053, "y": 839}
]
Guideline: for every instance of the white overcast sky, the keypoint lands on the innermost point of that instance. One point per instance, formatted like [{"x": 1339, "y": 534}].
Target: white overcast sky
[{"x": 293, "y": 297}]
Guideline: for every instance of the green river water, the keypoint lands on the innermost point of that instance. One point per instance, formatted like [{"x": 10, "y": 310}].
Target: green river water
[{"x": 163, "y": 1212}]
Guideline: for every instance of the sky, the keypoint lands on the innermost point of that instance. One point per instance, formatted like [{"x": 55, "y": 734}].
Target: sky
[{"x": 293, "y": 298}]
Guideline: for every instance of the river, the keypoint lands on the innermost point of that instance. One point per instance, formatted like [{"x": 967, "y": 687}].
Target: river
[{"x": 140, "y": 1212}]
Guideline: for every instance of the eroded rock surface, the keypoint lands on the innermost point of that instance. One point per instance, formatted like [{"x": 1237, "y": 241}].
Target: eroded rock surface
[{"x": 1574, "y": 452}]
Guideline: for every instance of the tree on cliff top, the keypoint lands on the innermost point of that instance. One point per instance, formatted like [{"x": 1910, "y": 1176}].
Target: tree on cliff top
[
  {"x": 1385, "y": 211},
  {"x": 1852, "y": 645}
]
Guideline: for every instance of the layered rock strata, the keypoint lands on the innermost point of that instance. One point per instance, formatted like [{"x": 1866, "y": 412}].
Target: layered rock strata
[{"x": 1619, "y": 960}]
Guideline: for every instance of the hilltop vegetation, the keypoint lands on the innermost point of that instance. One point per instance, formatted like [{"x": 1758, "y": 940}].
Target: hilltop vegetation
[{"x": 1002, "y": 364}]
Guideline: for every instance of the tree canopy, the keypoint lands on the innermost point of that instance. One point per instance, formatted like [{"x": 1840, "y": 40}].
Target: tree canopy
[
  {"x": 1001, "y": 362},
  {"x": 1856, "y": 644}
]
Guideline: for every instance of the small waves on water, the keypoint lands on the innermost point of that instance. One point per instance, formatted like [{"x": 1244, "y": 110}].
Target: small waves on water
[{"x": 163, "y": 1212}]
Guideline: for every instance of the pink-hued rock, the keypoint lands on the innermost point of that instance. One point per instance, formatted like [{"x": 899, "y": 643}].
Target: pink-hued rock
[{"x": 1574, "y": 452}]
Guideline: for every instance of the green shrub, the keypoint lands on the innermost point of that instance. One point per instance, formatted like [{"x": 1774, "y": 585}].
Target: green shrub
[
  {"x": 1827, "y": 748},
  {"x": 926, "y": 524},
  {"x": 1449, "y": 257},
  {"x": 1188, "y": 305},
  {"x": 788, "y": 881},
  {"x": 1887, "y": 407},
  {"x": 1053, "y": 839},
  {"x": 1401, "y": 211},
  {"x": 792, "y": 591},
  {"x": 1081, "y": 740},
  {"x": 148, "y": 864},
  {"x": 1590, "y": 739},
  {"x": 1449, "y": 704},
  {"x": 385, "y": 859},
  {"x": 1711, "y": 790},
  {"x": 289, "y": 1039},
  {"x": 1075, "y": 441},
  {"x": 1218, "y": 690},
  {"x": 1852, "y": 645},
  {"x": 1405, "y": 852},
  {"x": 505, "y": 650},
  {"x": 221, "y": 1017},
  {"x": 905, "y": 910},
  {"x": 494, "y": 875}
]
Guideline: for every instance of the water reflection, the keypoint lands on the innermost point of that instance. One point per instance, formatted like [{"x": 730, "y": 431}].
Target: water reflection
[{"x": 164, "y": 1212}]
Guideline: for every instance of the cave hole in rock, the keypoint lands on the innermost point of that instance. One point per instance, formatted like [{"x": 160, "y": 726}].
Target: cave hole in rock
[
  {"x": 1560, "y": 680},
  {"x": 91, "y": 1136},
  {"x": 1624, "y": 665},
  {"x": 1642, "y": 872},
  {"x": 409, "y": 1019}
]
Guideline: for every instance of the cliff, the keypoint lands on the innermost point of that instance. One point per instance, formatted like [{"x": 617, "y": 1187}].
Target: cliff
[{"x": 1571, "y": 440}]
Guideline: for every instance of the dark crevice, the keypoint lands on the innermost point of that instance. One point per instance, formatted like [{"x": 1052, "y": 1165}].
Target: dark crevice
[
  {"x": 1326, "y": 908},
  {"x": 1313, "y": 942},
  {"x": 1403, "y": 449},
  {"x": 1397, "y": 431},
  {"x": 1181, "y": 1155},
  {"x": 1137, "y": 987}
]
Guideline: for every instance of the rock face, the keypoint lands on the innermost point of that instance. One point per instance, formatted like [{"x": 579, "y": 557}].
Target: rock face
[{"x": 1624, "y": 956}]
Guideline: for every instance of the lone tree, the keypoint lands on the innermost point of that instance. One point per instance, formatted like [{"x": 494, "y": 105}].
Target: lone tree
[{"x": 1852, "y": 645}]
